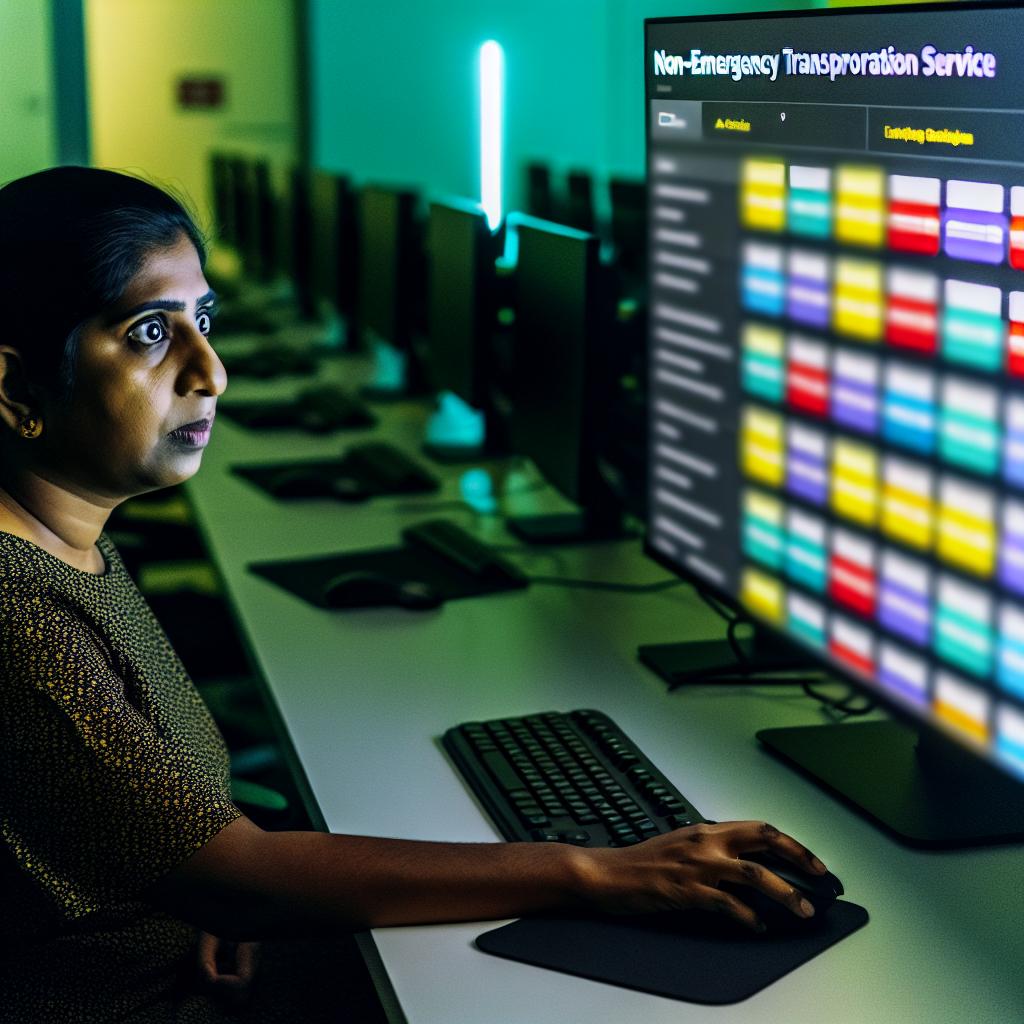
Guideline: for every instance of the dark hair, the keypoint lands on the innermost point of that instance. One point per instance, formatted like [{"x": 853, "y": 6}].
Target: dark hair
[{"x": 71, "y": 240}]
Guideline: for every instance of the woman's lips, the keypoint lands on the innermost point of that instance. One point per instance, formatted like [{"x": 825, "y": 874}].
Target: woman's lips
[{"x": 192, "y": 435}]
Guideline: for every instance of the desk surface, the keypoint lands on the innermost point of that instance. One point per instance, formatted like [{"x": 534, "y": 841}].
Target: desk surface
[{"x": 364, "y": 697}]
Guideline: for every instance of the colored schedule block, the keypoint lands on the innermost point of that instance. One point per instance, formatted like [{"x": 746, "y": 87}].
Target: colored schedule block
[
  {"x": 855, "y": 398},
  {"x": 807, "y": 463},
  {"x": 762, "y": 280},
  {"x": 807, "y": 288},
  {"x": 912, "y": 310},
  {"x": 1011, "y": 547},
  {"x": 806, "y": 549},
  {"x": 966, "y": 526},
  {"x": 903, "y": 673},
  {"x": 763, "y": 528},
  {"x": 860, "y": 206},
  {"x": 763, "y": 195},
  {"x": 969, "y": 425},
  {"x": 1017, "y": 227},
  {"x": 857, "y": 307},
  {"x": 852, "y": 644},
  {"x": 914, "y": 222},
  {"x": 1010, "y": 667},
  {"x": 806, "y": 618},
  {"x": 909, "y": 415},
  {"x": 972, "y": 325},
  {"x": 807, "y": 375},
  {"x": 764, "y": 595},
  {"x": 1015, "y": 336},
  {"x": 964, "y": 636},
  {"x": 810, "y": 201},
  {"x": 854, "y": 491},
  {"x": 904, "y": 597},
  {"x": 1013, "y": 440},
  {"x": 763, "y": 445},
  {"x": 907, "y": 505},
  {"x": 974, "y": 226},
  {"x": 851, "y": 572},
  {"x": 962, "y": 705},
  {"x": 1010, "y": 737},
  {"x": 763, "y": 362}
]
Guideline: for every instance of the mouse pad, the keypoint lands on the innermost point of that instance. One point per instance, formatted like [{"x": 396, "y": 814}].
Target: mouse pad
[
  {"x": 696, "y": 958},
  {"x": 262, "y": 475},
  {"x": 306, "y": 577}
]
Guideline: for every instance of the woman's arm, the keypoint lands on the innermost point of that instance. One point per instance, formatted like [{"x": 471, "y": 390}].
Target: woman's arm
[{"x": 248, "y": 884}]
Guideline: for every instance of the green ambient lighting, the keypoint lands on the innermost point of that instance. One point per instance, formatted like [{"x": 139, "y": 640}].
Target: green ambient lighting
[{"x": 492, "y": 103}]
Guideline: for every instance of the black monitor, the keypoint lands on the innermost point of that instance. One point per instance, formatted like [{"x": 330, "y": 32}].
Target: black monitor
[
  {"x": 245, "y": 214},
  {"x": 540, "y": 200},
  {"x": 300, "y": 247},
  {"x": 461, "y": 301},
  {"x": 267, "y": 256},
  {"x": 223, "y": 199},
  {"x": 836, "y": 389},
  {"x": 561, "y": 383},
  {"x": 391, "y": 278},
  {"x": 629, "y": 226},
  {"x": 579, "y": 201}
]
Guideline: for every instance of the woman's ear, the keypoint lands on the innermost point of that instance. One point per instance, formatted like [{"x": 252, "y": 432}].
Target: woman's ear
[{"x": 16, "y": 395}]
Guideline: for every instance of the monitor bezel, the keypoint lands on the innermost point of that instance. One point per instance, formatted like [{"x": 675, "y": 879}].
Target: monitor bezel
[{"x": 902, "y": 712}]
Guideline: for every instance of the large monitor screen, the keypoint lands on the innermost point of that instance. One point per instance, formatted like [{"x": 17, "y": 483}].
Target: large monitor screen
[{"x": 836, "y": 342}]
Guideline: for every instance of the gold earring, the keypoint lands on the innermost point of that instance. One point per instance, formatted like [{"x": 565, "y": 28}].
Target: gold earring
[{"x": 31, "y": 427}]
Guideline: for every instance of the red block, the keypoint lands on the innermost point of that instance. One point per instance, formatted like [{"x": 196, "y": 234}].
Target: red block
[
  {"x": 852, "y": 585},
  {"x": 1017, "y": 243},
  {"x": 1015, "y": 350},
  {"x": 911, "y": 323},
  {"x": 913, "y": 227},
  {"x": 807, "y": 389},
  {"x": 851, "y": 658}
]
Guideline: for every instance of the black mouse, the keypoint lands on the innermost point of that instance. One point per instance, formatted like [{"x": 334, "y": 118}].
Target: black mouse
[
  {"x": 298, "y": 482},
  {"x": 362, "y": 589},
  {"x": 821, "y": 891}
]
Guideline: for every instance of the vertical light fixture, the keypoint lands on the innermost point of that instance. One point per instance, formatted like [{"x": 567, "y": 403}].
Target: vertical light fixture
[{"x": 492, "y": 113}]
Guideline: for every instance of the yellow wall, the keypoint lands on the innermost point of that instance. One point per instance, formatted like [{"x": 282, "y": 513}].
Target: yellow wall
[
  {"x": 137, "y": 50},
  {"x": 26, "y": 88}
]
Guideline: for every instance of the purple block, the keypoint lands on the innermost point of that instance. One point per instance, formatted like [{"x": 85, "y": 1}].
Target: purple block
[
  {"x": 892, "y": 681},
  {"x": 1011, "y": 563},
  {"x": 893, "y": 599},
  {"x": 855, "y": 404},
  {"x": 975, "y": 249},
  {"x": 801, "y": 307},
  {"x": 806, "y": 478}
]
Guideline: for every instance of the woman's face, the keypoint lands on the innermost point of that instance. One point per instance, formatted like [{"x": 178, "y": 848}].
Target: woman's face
[{"x": 144, "y": 368}]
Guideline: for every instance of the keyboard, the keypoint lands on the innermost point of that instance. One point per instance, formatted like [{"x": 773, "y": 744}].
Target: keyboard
[{"x": 572, "y": 777}]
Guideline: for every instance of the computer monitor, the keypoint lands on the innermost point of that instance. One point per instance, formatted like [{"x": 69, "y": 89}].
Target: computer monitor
[
  {"x": 836, "y": 284},
  {"x": 267, "y": 256},
  {"x": 223, "y": 201},
  {"x": 245, "y": 214},
  {"x": 629, "y": 227},
  {"x": 539, "y": 195},
  {"x": 391, "y": 280},
  {"x": 334, "y": 241},
  {"x": 561, "y": 384},
  {"x": 462, "y": 306},
  {"x": 579, "y": 201}
]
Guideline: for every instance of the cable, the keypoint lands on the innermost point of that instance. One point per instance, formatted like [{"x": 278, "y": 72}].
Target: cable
[
  {"x": 625, "y": 588},
  {"x": 841, "y": 704}
]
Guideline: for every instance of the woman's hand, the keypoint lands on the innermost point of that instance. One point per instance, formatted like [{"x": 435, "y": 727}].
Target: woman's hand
[
  {"x": 228, "y": 968},
  {"x": 681, "y": 870}
]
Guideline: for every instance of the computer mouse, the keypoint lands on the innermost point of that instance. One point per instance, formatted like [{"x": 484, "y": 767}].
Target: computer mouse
[
  {"x": 298, "y": 482},
  {"x": 316, "y": 421},
  {"x": 821, "y": 891},
  {"x": 349, "y": 488},
  {"x": 363, "y": 589}
]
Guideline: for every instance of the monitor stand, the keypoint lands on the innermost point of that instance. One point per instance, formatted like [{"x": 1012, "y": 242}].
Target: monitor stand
[
  {"x": 715, "y": 662},
  {"x": 569, "y": 528},
  {"x": 923, "y": 789}
]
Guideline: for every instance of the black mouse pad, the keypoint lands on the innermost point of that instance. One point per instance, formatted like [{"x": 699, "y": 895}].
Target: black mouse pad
[
  {"x": 695, "y": 958},
  {"x": 306, "y": 577}
]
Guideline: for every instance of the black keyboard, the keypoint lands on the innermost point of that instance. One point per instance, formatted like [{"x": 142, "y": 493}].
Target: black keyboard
[{"x": 566, "y": 778}]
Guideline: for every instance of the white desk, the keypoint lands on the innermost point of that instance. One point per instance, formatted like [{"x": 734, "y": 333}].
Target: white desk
[{"x": 365, "y": 695}]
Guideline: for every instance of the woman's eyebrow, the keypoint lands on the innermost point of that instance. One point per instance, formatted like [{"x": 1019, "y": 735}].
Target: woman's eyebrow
[{"x": 165, "y": 305}]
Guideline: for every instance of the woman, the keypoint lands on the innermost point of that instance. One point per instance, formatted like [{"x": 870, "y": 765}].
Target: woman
[{"x": 119, "y": 838}]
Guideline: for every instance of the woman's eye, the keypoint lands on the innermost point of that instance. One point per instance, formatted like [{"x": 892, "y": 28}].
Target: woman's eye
[
  {"x": 149, "y": 332},
  {"x": 204, "y": 322}
]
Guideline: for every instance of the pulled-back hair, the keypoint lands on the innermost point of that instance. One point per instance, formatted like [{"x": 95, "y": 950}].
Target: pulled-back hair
[{"x": 71, "y": 240}]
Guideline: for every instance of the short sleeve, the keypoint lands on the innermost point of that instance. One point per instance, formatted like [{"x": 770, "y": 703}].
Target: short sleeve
[{"x": 96, "y": 803}]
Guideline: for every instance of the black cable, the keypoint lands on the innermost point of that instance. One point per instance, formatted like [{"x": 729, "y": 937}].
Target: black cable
[{"x": 625, "y": 588}]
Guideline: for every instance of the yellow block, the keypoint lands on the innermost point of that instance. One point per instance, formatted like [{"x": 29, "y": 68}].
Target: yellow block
[
  {"x": 762, "y": 446},
  {"x": 855, "y": 481},
  {"x": 967, "y": 541},
  {"x": 763, "y": 595},
  {"x": 763, "y": 195},
  {"x": 860, "y": 206},
  {"x": 857, "y": 307},
  {"x": 907, "y": 516},
  {"x": 961, "y": 721}
]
